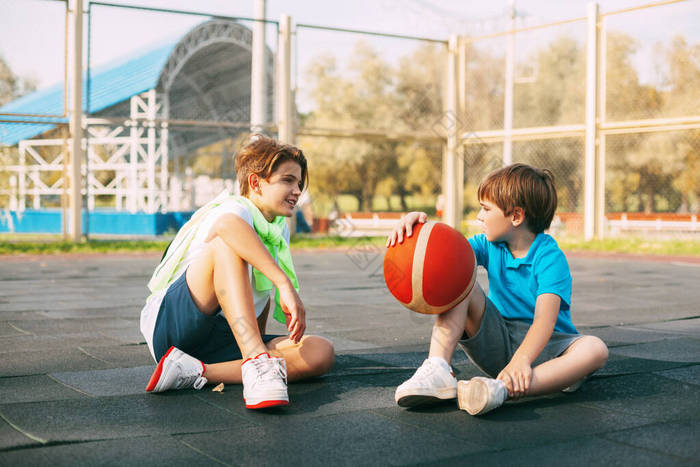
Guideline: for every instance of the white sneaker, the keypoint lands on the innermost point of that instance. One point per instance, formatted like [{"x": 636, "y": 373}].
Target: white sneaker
[
  {"x": 480, "y": 395},
  {"x": 177, "y": 370},
  {"x": 432, "y": 382},
  {"x": 264, "y": 382}
]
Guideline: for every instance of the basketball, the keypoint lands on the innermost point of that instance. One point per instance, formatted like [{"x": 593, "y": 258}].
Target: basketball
[{"x": 432, "y": 270}]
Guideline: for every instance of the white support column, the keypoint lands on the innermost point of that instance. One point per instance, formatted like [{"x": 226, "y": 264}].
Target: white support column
[
  {"x": 258, "y": 84},
  {"x": 133, "y": 190},
  {"x": 591, "y": 143},
  {"x": 151, "y": 169},
  {"x": 164, "y": 167},
  {"x": 14, "y": 205},
  {"x": 508, "y": 92},
  {"x": 454, "y": 175},
  {"x": 22, "y": 175},
  {"x": 284, "y": 93},
  {"x": 601, "y": 221},
  {"x": 76, "y": 123}
]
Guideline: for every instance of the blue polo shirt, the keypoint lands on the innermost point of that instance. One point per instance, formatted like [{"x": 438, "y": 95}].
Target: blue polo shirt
[{"x": 515, "y": 283}]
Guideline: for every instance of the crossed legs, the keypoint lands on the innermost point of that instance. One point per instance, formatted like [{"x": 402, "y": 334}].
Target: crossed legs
[
  {"x": 580, "y": 359},
  {"x": 220, "y": 278}
]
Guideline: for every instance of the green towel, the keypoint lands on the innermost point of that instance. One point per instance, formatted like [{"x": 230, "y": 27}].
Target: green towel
[{"x": 269, "y": 232}]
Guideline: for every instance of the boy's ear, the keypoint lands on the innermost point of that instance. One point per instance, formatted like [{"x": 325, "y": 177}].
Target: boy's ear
[
  {"x": 517, "y": 217},
  {"x": 254, "y": 182}
]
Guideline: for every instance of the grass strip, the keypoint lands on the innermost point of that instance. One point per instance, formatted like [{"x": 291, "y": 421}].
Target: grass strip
[{"x": 15, "y": 244}]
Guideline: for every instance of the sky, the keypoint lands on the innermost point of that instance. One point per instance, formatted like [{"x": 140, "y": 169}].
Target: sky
[{"x": 32, "y": 31}]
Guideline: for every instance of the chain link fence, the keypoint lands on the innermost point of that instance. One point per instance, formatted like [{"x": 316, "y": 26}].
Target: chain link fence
[{"x": 370, "y": 113}]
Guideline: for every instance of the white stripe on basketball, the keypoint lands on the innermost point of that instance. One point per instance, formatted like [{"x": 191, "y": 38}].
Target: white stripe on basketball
[{"x": 417, "y": 301}]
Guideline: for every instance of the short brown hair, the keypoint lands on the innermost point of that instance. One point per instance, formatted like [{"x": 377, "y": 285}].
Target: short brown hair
[
  {"x": 262, "y": 156},
  {"x": 526, "y": 187}
]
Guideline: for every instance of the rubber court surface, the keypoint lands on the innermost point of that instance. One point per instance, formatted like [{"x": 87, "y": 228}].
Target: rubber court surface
[{"x": 73, "y": 368}]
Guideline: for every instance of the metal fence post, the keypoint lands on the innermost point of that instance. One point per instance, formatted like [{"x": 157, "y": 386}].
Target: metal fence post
[
  {"x": 454, "y": 170},
  {"x": 284, "y": 73},
  {"x": 601, "y": 221},
  {"x": 508, "y": 92},
  {"x": 258, "y": 78},
  {"x": 591, "y": 143},
  {"x": 76, "y": 123}
]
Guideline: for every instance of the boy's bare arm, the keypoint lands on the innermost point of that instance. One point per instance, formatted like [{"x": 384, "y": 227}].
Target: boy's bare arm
[
  {"x": 517, "y": 375},
  {"x": 244, "y": 241}
]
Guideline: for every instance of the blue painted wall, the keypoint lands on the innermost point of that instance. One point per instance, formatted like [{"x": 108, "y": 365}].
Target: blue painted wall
[{"x": 100, "y": 222}]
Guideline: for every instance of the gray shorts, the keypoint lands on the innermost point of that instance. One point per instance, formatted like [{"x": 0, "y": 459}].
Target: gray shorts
[{"x": 498, "y": 338}]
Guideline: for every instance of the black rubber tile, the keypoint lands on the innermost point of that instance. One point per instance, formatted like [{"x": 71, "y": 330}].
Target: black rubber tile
[
  {"x": 23, "y": 343},
  {"x": 122, "y": 356},
  {"x": 582, "y": 452},
  {"x": 150, "y": 451},
  {"x": 618, "y": 365},
  {"x": 119, "y": 417},
  {"x": 689, "y": 374},
  {"x": 517, "y": 425},
  {"x": 689, "y": 327},
  {"x": 684, "y": 349},
  {"x": 113, "y": 382},
  {"x": 27, "y": 363},
  {"x": 8, "y": 329},
  {"x": 614, "y": 336},
  {"x": 126, "y": 335},
  {"x": 384, "y": 337},
  {"x": 68, "y": 326},
  {"x": 34, "y": 389},
  {"x": 11, "y": 438},
  {"x": 676, "y": 439},
  {"x": 348, "y": 439},
  {"x": 20, "y": 315},
  {"x": 315, "y": 398},
  {"x": 644, "y": 395}
]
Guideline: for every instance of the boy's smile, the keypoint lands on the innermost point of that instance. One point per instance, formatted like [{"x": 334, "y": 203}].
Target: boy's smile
[{"x": 278, "y": 195}]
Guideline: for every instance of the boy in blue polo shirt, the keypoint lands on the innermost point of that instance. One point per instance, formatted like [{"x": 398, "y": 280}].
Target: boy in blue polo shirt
[{"x": 521, "y": 335}]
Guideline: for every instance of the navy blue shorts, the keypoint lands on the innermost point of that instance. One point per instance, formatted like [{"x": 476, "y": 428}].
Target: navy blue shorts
[{"x": 180, "y": 323}]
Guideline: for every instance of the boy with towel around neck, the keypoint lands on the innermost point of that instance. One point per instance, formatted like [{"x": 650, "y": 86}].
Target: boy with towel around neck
[{"x": 211, "y": 294}]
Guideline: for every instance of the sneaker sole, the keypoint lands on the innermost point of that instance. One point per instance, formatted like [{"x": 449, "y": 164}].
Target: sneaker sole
[
  {"x": 415, "y": 400},
  {"x": 472, "y": 396},
  {"x": 266, "y": 404},
  {"x": 153, "y": 382}
]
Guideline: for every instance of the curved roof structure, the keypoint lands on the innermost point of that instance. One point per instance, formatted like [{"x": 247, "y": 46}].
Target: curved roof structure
[{"x": 205, "y": 75}]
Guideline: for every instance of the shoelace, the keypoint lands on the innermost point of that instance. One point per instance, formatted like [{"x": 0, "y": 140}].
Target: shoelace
[
  {"x": 193, "y": 379},
  {"x": 270, "y": 369}
]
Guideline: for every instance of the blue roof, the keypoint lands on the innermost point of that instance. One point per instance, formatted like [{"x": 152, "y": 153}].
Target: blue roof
[{"x": 110, "y": 84}]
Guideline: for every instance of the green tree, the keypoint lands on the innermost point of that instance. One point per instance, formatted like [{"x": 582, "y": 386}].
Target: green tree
[
  {"x": 362, "y": 97},
  {"x": 11, "y": 85}
]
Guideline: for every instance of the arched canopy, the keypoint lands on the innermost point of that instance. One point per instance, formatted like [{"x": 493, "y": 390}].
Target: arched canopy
[{"x": 205, "y": 75}]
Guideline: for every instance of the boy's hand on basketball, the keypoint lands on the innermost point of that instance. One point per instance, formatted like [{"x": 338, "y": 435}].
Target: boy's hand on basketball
[
  {"x": 294, "y": 310},
  {"x": 517, "y": 376},
  {"x": 405, "y": 227}
]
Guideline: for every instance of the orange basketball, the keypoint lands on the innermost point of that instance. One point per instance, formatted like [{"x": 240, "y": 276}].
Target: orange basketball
[{"x": 432, "y": 270}]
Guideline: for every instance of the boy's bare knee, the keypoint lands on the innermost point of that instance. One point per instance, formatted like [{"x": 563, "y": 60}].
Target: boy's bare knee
[
  {"x": 601, "y": 351},
  {"x": 318, "y": 353},
  {"x": 597, "y": 350}
]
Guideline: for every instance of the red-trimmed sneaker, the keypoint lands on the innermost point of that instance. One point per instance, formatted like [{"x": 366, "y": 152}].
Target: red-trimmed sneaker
[
  {"x": 177, "y": 370},
  {"x": 264, "y": 382}
]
